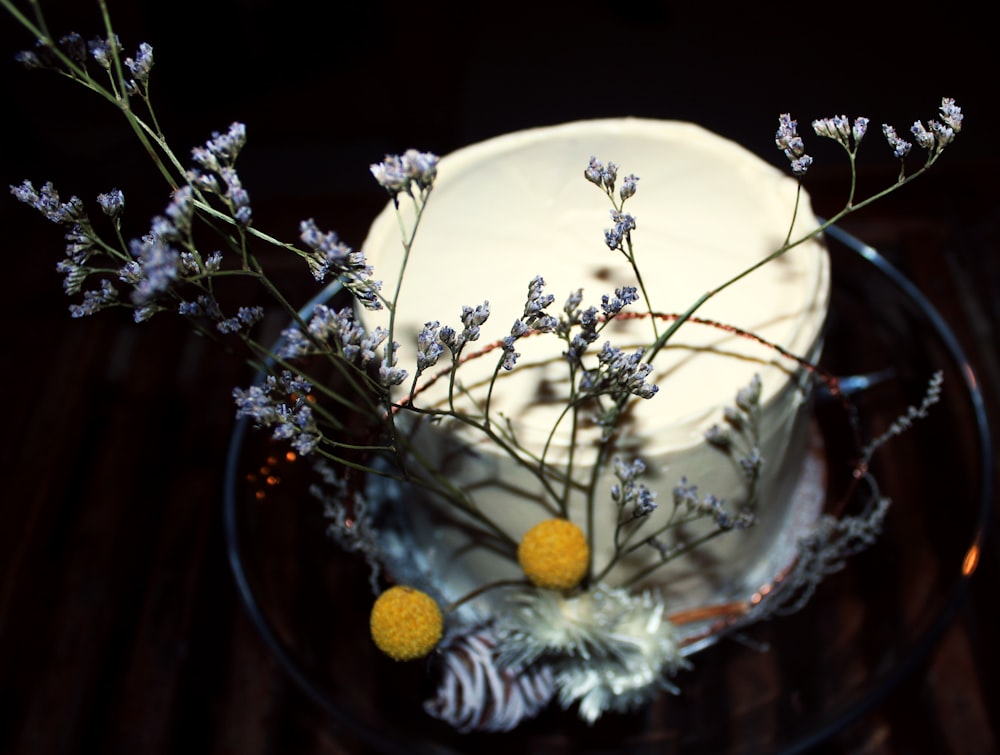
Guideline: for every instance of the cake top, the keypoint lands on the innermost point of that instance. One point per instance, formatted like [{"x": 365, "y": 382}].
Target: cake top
[{"x": 517, "y": 206}]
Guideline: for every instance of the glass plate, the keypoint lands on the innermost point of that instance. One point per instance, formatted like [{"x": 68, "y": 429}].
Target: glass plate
[{"x": 782, "y": 685}]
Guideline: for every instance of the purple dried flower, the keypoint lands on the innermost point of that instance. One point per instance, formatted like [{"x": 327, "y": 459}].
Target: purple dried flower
[
  {"x": 900, "y": 147},
  {"x": 629, "y": 186},
  {"x": 95, "y": 300},
  {"x": 788, "y": 141},
  {"x": 331, "y": 256},
  {"x": 951, "y": 114},
  {"x": 397, "y": 173},
  {"x": 623, "y": 224},
  {"x": 630, "y": 495},
  {"x": 624, "y": 296},
  {"x": 429, "y": 346},
  {"x": 142, "y": 64},
  {"x": 859, "y": 129},
  {"x": 601, "y": 175},
  {"x": 619, "y": 374},
  {"x": 924, "y": 137},
  {"x": 75, "y": 47},
  {"x": 112, "y": 203}
]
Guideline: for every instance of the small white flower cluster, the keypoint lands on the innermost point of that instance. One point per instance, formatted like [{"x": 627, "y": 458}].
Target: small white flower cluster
[{"x": 608, "y": 649}]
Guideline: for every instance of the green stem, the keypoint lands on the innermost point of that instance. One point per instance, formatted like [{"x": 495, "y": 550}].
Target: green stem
[
  {"x": 630, "y": 255},
  {"x": 486, "y": 588},
  {"x": 420, "y": 203},
  {"x": 688, "y": 547},
  {"x": 784, "y": 249}
]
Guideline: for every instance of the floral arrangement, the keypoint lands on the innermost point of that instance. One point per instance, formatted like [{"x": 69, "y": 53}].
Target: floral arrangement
[{"x": 564, "y": 634}]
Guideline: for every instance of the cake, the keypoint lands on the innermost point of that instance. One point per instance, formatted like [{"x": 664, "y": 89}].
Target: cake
[{"x": 518, "y": 206}]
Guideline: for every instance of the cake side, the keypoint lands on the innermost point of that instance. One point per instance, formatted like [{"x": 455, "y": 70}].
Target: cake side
[{"x": 518, "y": 205}]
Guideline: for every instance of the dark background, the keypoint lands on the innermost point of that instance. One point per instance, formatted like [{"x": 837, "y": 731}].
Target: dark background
[{"x": 120, "y": 629}]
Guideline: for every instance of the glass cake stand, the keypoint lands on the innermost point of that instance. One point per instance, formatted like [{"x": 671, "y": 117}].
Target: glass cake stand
[{"x": 763, "y": 690}]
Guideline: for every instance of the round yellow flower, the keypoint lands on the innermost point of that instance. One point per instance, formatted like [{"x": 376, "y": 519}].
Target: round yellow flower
[
  {"x": 554, "y": 554},
  {"x": 406, "y": 623}
]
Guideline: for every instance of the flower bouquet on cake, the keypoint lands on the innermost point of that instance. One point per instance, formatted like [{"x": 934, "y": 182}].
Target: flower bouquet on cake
[{"x": 563, "y": 414}]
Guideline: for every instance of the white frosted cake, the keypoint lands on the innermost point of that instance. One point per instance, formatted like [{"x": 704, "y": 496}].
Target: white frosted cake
[{"x": 518, "y": 206}]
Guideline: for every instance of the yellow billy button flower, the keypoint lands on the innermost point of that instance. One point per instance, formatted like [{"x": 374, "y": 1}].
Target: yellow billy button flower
[
  {"x": 554, "y": 554},
  {"x": 406, "y": 623}
]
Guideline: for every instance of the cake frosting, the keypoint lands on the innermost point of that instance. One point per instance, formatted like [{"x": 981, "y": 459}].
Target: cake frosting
[{"x": 517, "y": 206}]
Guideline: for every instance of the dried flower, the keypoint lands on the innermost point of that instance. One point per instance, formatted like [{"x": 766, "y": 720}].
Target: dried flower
[
  {"x": 112, "y": 203},
  {"x": 429, "y": 346},
  {"x": 623, "y": 225},
  {"x": 601, "y": 175},
  {"x": 96, "y": 300},
  {"x": 629, "y": 186},
  {"x": 101, "y": 50},
  {"x": 609, "y": 649},
  {"x": 534, "y": 308},
  {"x": 620, "y": 374},
  {"x": 631, "y": 496},
  {"x": 141, "y": 65},
  {"x": 398, "y": 173},
  {"x": 951, "y": 114},
  {"x": 406, "y": 623},
  {"x": 280, "y": 403},
  {"x": 330, "y": 256},
  {"x": 937, "y": 135},
  {"x": 554, "y": 554},
  {"x": 900, "y": 147},
  {"x": 788, "y": 141},
  {"x": 613, "y": 305},
  {"x": 839, "y": 129},
  {"x": 46, "y": 201},
  {"x": 472, "y": 318}
]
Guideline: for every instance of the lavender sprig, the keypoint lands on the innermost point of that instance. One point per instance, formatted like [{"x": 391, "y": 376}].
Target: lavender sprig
[
  {"x": 618, "y": 375},
  {"x": 619, "y": 236},
  {"x": 633, "y": 500},
  {"x": 533, "y": 319},
  {"x": 280, "y": 405}
]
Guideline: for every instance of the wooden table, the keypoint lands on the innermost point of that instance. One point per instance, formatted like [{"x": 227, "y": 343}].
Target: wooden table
[{"x": 120, "y": 628}]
